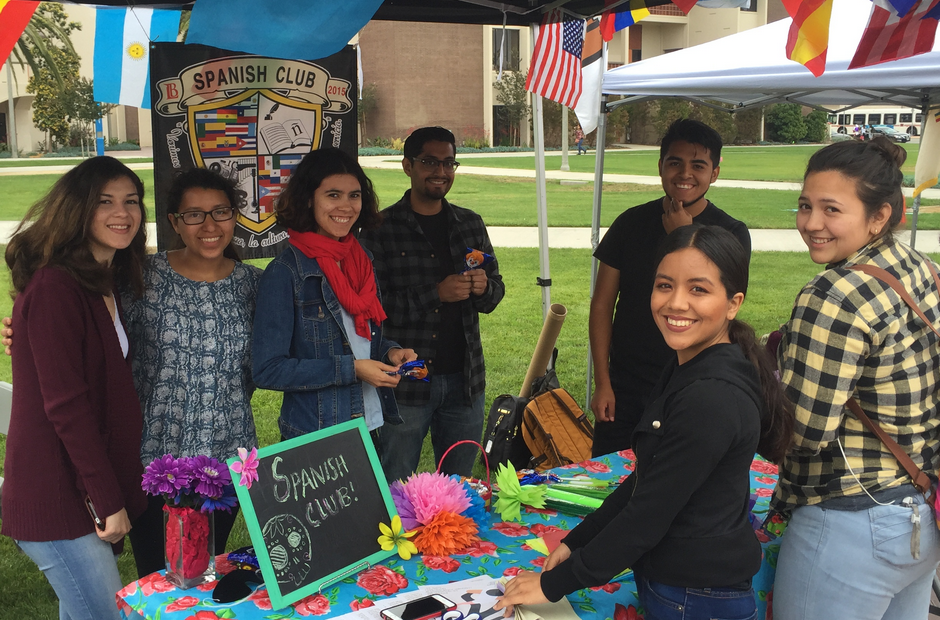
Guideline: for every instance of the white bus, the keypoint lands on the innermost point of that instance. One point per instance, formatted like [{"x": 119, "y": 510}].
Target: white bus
[{"x": 902, "y": 119}]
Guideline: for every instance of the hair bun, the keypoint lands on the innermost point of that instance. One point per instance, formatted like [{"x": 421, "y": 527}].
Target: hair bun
[{"x": 889, "y": 150}]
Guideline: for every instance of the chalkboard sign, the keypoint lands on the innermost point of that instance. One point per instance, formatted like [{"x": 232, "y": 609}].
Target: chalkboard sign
[{"x": 314, "y": 512}]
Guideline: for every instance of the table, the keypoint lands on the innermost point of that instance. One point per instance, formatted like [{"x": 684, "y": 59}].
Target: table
[{"x": 501, "y": 551}]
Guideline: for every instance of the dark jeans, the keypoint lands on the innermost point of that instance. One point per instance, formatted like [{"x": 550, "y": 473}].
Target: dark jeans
[
  {"x": 147, "y": 535},
  {"x": 663, "y": 602},
  {"x": 615, "y": 436},
  {"x": 448, "y": 415}
]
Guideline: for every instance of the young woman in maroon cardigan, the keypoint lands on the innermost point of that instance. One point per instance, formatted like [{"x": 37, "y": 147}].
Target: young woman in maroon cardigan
[{"x": 72, "y": 464}]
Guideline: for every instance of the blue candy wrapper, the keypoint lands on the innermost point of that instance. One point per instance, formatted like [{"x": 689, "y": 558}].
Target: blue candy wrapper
[
  {"x": 476, "y": 259},
  {"x": 416, "y": 370}
]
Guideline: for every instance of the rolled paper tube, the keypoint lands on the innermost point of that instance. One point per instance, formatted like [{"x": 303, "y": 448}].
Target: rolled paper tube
[
  {"x": 590, "y": 502},
  {"x": 543, "y": 349}
]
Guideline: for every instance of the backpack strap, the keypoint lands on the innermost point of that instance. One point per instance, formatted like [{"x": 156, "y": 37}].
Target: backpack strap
[
  {"x": 920, "y": 479},
  {"x": 880, "y": 274}
]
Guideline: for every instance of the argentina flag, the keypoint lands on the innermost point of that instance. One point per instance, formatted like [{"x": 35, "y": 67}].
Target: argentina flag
[{"x": 122, "y": 52}]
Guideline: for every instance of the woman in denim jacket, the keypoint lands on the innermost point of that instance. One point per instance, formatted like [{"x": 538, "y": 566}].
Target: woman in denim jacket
[{"x": 317, "y": 330}]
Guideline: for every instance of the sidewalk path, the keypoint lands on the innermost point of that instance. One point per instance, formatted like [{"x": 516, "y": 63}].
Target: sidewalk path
[
  {"x": 762, "y": 240},
  {"x": 392, "y": 162},
  {"x": 558, "y": 237}
]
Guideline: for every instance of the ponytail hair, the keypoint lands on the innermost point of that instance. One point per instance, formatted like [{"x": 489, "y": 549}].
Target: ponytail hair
[
  {"x": 726, "y": 252},
  {"x": 776, "y": 427}
]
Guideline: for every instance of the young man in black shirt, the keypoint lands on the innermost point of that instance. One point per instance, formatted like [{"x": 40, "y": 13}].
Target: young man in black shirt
[
  {"x": 433, "y": 304},
  {"x": 627, "y": 349}
]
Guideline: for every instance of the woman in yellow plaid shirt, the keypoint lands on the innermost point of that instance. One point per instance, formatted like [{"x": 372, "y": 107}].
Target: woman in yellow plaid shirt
[{"x": 861, "y": 542}]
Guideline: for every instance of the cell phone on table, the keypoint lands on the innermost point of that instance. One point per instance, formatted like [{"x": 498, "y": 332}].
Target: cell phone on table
[{"x": 425, "y": 608}]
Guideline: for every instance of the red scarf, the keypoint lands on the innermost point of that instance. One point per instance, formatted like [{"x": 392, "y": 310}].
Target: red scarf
[{"x": 352, "y": 280}]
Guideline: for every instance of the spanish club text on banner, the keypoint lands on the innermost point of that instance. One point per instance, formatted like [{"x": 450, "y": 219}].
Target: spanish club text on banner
[{"x": 250, "y": 118}]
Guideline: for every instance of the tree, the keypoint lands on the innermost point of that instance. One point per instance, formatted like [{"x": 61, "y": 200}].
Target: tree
[
  {"x": 748, "y": 123},
  {"x": 63, "y": 98},
  {"x": 368, "y": 103},
  {"x": 511, "y": 92},
  {"x": 817, "y": 126},
  {"x": 50, "y": 107},
  {"x": 785, "y": 121},
  {"x": 46, "y": 31}
]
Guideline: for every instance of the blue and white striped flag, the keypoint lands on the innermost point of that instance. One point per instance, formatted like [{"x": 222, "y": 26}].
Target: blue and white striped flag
[{"x": 122, "y": 52}]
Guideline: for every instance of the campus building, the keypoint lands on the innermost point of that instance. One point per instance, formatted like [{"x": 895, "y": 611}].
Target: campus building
[{"x": 424, "y": 73}]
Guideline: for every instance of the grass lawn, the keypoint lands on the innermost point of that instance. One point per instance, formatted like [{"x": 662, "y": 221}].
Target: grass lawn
[
  {"x": 753, "y": 163},
  {"x": 509, "y": 337},
  {"x": 505, "y": 201}
]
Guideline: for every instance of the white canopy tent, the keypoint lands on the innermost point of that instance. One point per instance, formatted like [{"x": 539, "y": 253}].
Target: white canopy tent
[{"x": 750, "y": 69}]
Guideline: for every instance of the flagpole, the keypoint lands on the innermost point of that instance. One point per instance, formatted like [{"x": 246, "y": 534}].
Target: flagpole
[
  {"x": 545, "y": 279},
  {"x": 596, "y": 223}
]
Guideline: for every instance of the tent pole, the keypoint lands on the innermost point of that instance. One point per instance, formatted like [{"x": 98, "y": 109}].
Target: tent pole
[
  {"x": 564, "y": 139},
  {"x": 545, "y": 279},
  {"x": 915, "y": 208},
  {"x": 596, "y": 224}
]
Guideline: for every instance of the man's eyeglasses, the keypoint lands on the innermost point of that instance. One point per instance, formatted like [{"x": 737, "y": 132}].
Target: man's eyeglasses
[
  {"x": 198, "y": 217},
  {"x": 429, "y": 163}
]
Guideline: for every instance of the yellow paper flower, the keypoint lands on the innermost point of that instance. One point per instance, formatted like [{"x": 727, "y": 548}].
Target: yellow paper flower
[{"x": 393, "y": 537}]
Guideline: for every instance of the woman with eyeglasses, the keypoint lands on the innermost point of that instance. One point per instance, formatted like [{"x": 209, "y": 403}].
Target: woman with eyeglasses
[
  {"x": 318, "y": 330},
  {"x": 191, "y": 336}
]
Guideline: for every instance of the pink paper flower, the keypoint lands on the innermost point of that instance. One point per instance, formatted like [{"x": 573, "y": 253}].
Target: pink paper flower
[
  {"x": 247, "y": 466},
  {"x": 432, "y": 494}
]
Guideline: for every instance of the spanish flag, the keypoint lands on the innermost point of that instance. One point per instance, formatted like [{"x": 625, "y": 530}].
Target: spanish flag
[
  {"x": 14, "y": 16},
  {"x": 808, "y": 40}
]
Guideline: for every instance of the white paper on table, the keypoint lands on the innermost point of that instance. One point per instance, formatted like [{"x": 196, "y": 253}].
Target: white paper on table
[
  {"x": 562, "y": 610},
  {"x": 471, "y": 595}
]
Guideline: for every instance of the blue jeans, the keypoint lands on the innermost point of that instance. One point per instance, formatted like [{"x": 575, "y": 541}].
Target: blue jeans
[
  {"x": 845, "y": 564},
  {"x": 84, "y": 574},
  {"x": 663, "y": 602},
  {"x": 449, "y": 416}
]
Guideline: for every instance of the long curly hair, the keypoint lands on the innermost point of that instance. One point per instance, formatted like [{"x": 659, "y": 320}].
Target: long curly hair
[{"x": 56, "y": 232}]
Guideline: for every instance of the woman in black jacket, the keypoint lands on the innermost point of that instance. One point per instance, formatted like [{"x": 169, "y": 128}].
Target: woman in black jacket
[{"x": 680, "y": 521}]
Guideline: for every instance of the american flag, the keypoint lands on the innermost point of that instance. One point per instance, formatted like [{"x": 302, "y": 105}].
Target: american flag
[
  {"x": 890, "y": 37},
  {"x": 555, "y": 70}
]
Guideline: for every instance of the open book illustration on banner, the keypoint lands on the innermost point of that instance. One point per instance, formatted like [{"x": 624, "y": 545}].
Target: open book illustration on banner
[{"x": 290, "y": 134}]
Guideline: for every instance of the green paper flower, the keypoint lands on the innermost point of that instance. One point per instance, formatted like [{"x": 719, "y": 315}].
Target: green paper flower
[
  {"x": 393, "y": 537},
  {"x": 512, "y": 495}
]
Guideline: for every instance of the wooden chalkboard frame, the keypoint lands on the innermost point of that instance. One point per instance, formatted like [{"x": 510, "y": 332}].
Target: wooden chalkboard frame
[{"x": 280, "y": 598}]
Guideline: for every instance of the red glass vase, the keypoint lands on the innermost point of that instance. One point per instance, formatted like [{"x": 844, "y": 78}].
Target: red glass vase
[{"x": 189, "y": 537}]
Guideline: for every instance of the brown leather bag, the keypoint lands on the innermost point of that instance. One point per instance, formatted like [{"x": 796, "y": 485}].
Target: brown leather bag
[
  {"x": 556, "y": 431},
  {"x": 919, "y": 478}
]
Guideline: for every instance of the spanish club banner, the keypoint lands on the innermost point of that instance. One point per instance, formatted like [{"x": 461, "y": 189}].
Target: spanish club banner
[{"x": 250, "y": 118}]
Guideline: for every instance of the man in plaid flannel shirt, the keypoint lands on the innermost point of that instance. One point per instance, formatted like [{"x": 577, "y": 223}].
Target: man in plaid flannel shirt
[{"x": 432, "y": 301}]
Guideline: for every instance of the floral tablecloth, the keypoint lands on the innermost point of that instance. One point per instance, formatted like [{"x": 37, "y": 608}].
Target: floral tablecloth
[{"x": 502, "y": 551}]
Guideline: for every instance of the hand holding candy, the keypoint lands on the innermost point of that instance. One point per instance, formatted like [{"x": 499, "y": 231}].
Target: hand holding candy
[
  {"x": 416, "y": 370},
  {"x": 475, "y": 259}
]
